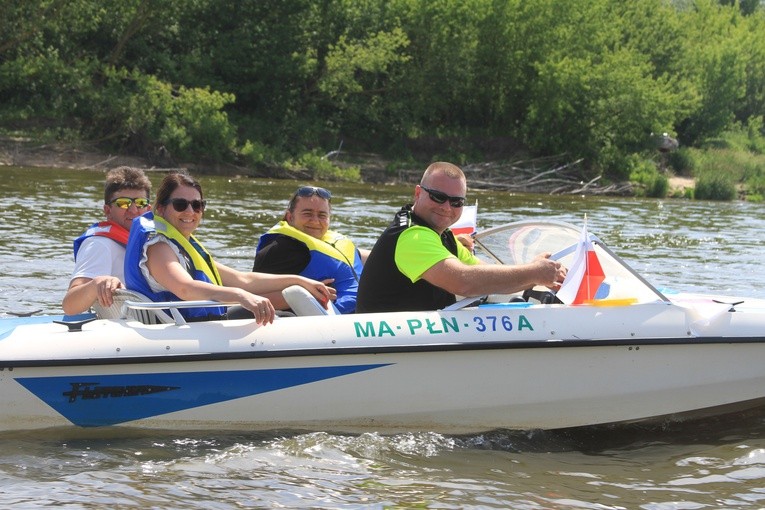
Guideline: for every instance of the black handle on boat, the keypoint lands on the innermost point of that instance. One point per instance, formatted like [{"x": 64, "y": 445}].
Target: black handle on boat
[{"x": 75, "y": 326}]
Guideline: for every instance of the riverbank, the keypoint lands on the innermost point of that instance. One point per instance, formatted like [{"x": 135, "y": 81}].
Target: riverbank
[{"x": 23, "y": 152}]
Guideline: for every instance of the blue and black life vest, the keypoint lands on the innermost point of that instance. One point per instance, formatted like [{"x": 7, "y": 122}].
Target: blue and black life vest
[{"x": 333, "y": 256}]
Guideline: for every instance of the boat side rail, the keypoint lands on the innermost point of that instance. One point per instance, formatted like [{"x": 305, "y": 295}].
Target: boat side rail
[{"x": 173, "y": 306}]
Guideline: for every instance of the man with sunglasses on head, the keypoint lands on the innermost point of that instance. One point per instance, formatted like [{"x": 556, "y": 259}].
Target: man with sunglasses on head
[
  {"x": 99, "y": 253},
  {"x": 417, "y": 264},
  {"x": 303, "y": 244}
]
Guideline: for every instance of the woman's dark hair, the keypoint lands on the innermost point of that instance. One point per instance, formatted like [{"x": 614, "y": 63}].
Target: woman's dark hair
[
  {"x": 308, "y": 191},
  {"x": 173, "y": 181}
]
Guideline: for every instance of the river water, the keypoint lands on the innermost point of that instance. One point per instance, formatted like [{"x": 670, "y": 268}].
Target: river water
[{"x": 675, "y": 244}]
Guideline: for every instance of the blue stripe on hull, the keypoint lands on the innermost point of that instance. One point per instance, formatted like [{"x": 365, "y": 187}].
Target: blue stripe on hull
[{"x": 101, "y": 400}]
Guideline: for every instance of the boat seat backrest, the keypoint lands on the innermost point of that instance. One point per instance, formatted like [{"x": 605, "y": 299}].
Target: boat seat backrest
[
  {"x": 118, "y": 310},
  {"x": 303, "y": 303}
]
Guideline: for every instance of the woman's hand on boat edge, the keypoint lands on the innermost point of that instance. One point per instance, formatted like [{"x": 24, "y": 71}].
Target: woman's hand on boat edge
[{"x": 261, "y": 307}]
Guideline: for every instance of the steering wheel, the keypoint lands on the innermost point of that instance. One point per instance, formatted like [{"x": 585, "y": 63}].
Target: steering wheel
[{"x": 545, "y": 297}]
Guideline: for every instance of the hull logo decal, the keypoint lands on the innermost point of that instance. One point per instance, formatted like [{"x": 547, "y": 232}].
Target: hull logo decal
[
  {"x": 91, "y": 390},
  {"x": 111, "y": 399}
]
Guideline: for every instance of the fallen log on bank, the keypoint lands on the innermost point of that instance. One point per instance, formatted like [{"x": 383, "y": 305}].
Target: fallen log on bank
[{"x": 539, "y": 175}]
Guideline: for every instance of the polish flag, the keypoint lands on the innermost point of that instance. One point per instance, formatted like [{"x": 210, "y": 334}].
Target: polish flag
[
  {"x": 467, "y": 222},
  {"x": 585, "y": 274}
]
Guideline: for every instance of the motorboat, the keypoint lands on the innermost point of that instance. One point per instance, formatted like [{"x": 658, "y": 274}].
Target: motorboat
[{"x": 630, "y": 353}]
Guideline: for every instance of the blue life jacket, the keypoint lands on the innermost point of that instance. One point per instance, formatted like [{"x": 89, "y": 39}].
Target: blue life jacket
[{"x": 199, "y": 263}]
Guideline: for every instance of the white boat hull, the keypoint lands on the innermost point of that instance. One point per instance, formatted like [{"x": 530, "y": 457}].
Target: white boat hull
[{"x": 544, "y": 366}]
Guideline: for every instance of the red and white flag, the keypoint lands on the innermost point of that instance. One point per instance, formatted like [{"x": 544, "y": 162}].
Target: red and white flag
[
  {"x": 585, "y": 274},
  {"x": 467, "y": 222}
]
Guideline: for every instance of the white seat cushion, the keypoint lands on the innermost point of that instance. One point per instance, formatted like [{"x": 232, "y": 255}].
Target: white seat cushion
[{"x": 304, "y": 304}]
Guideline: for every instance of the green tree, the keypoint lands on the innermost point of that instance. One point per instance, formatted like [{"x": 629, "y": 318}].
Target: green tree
[
  {"x": 714, "y": 63},
  {"x": 587, "y": 78}
]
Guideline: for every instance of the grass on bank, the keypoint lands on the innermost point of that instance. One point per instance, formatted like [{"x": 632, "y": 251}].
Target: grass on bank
[
  {"x": 311, "y": 165},
  {"x": 726, "y": 168}
]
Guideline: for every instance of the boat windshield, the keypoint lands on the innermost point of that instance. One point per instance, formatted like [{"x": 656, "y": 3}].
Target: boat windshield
[{"x": 520, "y": 242}]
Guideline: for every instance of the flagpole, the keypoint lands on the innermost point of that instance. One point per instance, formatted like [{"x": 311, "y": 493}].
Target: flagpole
[{"x": 586, "y": 241}]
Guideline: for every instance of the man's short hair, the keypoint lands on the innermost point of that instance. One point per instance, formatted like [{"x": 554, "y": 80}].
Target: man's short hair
[
  {"x": 125, "y": 177},
  {"x": 448, "y": 169}
]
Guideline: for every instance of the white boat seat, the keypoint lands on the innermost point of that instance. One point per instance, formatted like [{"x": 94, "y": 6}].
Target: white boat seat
[
  {"x": 304, "y": 304},
  {"x": 118, "y": 310}
]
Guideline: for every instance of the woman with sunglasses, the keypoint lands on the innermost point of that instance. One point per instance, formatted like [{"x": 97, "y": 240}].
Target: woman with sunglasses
[
  {"x": 417, "y": 264},
  {"x": 166, "y": 262},
  {"x": 99, "y": 253},
  {"x": 303, "y": 244}
]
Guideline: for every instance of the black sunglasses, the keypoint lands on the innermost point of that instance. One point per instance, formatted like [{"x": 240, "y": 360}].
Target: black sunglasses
[
  {"x": 181, "y": 204},
  {"x": 440, "y": 197},
  {"x": 126, "y": 202},
  {"x": 309, "y": 191}
]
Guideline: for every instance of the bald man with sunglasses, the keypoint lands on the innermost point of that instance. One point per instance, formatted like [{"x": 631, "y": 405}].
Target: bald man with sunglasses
[
  {"x": 417, "y": 264},
  {"x": 99, "y": 253}
]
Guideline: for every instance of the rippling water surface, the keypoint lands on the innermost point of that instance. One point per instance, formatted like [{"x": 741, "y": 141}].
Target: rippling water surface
[{"x": 681, "y": 245}]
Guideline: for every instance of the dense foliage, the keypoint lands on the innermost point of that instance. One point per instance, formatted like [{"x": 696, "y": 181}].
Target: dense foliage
[{"x": 255, "y": 81}]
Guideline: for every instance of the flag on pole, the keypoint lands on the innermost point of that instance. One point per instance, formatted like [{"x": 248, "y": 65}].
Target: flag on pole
[
  {"x": 467, "y": 222},
  {"x": 585, "y": 274}
]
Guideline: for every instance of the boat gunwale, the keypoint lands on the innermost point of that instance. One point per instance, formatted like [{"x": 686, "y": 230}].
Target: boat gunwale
[{"x": 378, "y": 349}]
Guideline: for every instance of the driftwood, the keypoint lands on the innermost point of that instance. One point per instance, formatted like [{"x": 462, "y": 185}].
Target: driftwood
[{"x": 540, "y": 175}]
